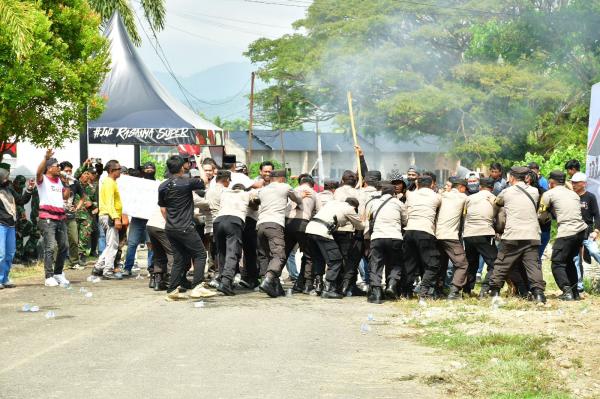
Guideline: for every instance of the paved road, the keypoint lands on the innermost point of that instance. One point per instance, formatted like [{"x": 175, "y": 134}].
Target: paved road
[{"x": 128, "y": 342}]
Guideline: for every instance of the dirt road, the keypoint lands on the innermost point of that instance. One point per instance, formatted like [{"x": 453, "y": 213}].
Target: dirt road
[{"x": 126, "y": 341}]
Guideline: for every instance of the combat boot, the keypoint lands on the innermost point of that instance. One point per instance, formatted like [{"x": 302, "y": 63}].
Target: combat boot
[
  {"x": 454, "y": 294},
  {"x": 485, "y": 292},
  {"x": 391, "y": 289},
  {"x": 575, "y": 290},
  {"x": 268, "y": 286},
  {"x": 318, "y": 284},
  {"x": 299, "y": 284},
  {"x": 330, "y": 291},
  {"x": 567, "y": 294},
  {"x": 538, "y": 295},
  {"x": 152, "y": 282},
  {"x": 308, "y": 286},
  {"x": 226, "y": 287},
  {"x": 375, "y": 295}
]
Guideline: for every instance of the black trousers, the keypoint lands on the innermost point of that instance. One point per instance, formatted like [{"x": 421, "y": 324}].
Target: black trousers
[
  {"x": 327, "y": 251},
  {"x": 420, "y": 248},
  {"x": 163, "y": 252},
  {"x": 249, "y": 241},
  {"x": 351, "y": 247},
  {"x": 229, "y": 241},
  {"x": 187, "y": 247},
  {"x": 271, "y": 248},
  {"x": 511, "y": 254},
  {"x": 215, "y": 247},
  {"x": 385, "y": 252},
  {"x": 485, "y": 247},
  {"x": 564, "y": 251},
  {"x": 454, "y": 251},
  {"x": 295, "y": 235}
]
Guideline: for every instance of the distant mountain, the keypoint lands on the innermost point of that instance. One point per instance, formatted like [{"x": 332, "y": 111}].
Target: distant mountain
[{"x": 225, "y": 86}]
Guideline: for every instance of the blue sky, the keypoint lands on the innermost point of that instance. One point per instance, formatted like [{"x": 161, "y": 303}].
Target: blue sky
[{"x": 200, "y": 34}]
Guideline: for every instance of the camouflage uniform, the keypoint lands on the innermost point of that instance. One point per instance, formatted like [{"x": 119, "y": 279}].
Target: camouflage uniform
[
  {"x": 30, "y": 250},
  {"x": 23, "y": 225},
  {"x": 85, "y": 218}
]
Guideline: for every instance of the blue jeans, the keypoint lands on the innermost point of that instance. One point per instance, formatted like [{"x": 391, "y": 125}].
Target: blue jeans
[
  {"x": 544, "y": 240},
  {"x": 101, "y": 239},
  {"x": 291, "y": 265},
  {"x": 363, "y": 269},
  {"x": 594, "y": 251},
  {"x": 136, "y": 235},
  {"x": 8, "y": 247}
]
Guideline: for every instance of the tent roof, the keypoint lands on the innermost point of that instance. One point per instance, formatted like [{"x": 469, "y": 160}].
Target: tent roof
[{"x": 135, "y": 99}]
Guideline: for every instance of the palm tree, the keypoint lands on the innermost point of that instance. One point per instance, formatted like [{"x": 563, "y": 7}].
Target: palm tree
[
  {"x": 154, "y": 12},
  {"x": 16, "y": 25}
]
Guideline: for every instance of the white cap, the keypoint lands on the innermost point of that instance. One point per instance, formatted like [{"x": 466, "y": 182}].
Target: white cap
[{"x": 577, "y": 177}]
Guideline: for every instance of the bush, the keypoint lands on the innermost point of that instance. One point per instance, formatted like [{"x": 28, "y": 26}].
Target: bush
[
  {"x": 557, "y": 159},
  {"x": 161, "y": 167}
]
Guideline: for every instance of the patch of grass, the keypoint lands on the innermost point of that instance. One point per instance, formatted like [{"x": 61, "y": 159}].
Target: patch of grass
[
  {"x": 25, "y": 272},
  {"x": 506, "y": 365}
]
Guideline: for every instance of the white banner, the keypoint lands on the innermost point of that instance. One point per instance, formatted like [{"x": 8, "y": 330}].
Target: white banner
[
  {"x": 593, "y": 147},
  {"x": 139, "y": 196}
]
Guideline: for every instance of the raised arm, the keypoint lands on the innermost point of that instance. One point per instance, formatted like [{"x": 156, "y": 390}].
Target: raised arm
[{"x": 42, "y": 166}]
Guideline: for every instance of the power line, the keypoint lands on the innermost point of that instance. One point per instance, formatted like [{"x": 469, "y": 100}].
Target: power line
[
  {"x": 225, "y": 26},
  {"x": 243, "y": 21}
]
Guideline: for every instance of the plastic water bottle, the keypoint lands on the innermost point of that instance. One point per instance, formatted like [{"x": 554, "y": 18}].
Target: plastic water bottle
[
  {"x": 199, "y": 304},
  {"x": 90, "y": 278},
  {"x": 50, "y": 315},
  {"x": 89, "y": 295},
  {"x": 365, "y": 328},
  {"x": 26, "y": 307},
  {"x": 34, "y": 309},
  {"x": 82, "y": 290},
  {"x": 370, "y": 317}
]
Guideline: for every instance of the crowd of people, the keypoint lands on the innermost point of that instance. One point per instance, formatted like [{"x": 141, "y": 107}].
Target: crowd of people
[{"x": 384, "y": 239}]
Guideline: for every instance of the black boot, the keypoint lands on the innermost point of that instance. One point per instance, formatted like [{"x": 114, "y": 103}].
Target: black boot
[
  {"x": 249, "y": 284},
  {"x": 494, "y": 293},
  {"x": 485, "y": 292},
  {"x": 375, "y": 295},
  {"x": 567, "y": 294},
  {"x": 391, "y": 289},
  {"x": 538, "y": 295},
  {"x": 575, "y": 290},
  {"x": 454, "y": 294},
  {"x": 299, "y": 284},
  {"x": 152, "y": 282},
  {"x": 226, "y": 287},
  {"x": 318, "y": 284},
  {"x": 160, "y": 282},
  {"x": 345, "y": 287},
  {"x": 268, "y": 286},
  {"x": 279, "y": 287},
  {"x": 330, "y": 291},
  {"x": 308, "y": 286}
]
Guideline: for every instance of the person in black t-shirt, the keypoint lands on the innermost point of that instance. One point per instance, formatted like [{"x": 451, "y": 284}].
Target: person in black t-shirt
[
  {"x": 176, "y": 200},
  {"x": 591, "y": 217}
]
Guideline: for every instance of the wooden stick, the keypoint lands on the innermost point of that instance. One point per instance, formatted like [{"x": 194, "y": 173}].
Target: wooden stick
[{"x": 355, "y": 137}]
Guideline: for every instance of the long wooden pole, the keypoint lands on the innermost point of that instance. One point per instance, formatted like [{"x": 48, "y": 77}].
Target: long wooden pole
[
  {"x": 250, "y": 122},
  {"x": 355, "y": 137}
]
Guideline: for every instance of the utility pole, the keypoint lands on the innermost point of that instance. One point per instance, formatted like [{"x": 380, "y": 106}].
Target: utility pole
[{"x": 251, "y": 122}]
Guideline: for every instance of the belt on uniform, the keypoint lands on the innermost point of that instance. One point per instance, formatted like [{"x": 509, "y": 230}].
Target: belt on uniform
[{"x": 321, "y": 221}]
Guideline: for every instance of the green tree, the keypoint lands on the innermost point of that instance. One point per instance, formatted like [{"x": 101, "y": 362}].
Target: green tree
[
  {"x": 43, "y": 94},
  {"x": 16, "y": 25},
  {"x": 489, "y": 77},
  {"x": 154, "y": 13},
  {"x": 238, "y": 124},
  {"x": 161, "y": 167}
]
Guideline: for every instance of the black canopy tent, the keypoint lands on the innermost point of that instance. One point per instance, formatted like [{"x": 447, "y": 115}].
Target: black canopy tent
[{"x": 139, "y": 110}]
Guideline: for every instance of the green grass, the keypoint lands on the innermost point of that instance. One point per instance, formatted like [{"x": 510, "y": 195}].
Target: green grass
[
  {"x": 18, "y": 273},
  {"x": 520, "y": 367}
]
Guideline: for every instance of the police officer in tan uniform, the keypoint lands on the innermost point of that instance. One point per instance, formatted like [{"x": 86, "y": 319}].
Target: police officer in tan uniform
[
  {"x": 565, "y": 204},
  {"x": 521, "y": 237},
  {"x": 420, "y": 246},
  {"x": 479, "y": 233},
  {"x": 447, "y": 232}
]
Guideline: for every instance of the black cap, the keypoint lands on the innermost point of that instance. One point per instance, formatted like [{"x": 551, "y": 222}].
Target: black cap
[
  {"x": 487, "y": 182},
  {"x": 149, "y": 165},
  {"x": 373, "y": 175},
  {"x": 279, "y": 173},
  {"x": 229, "y": 158},
  {"x": 519, "y": 170},
  {"x": 558, "y": 176},
  {"x": 454, "y": 180},
  {"x": 533, "y": 165},
  {"x": 51, "y": 162},
  {"x": 348, "y": 174},
  {"x": 223, "y": 173}
]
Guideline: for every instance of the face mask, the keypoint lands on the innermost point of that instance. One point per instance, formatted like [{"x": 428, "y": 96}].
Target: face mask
[{"x": 473, "y": 187}]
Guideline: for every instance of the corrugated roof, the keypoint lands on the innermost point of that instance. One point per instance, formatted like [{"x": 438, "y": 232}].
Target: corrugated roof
[{"x": 269, "y": 140}]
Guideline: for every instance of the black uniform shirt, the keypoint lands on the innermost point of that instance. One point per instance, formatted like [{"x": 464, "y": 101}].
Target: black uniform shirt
[
  {"x": 175, "y": 195},
  {"x": 589, "y": 211}
]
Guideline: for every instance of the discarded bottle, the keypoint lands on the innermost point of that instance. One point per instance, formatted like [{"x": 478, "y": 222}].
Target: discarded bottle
[
  {"x": 89, "y": 295},
  {"x": 66, "y": 286},
  {"x": 82, "y": 290},
  {"x": 370, "y": 317},
  {"x": 199, "y": 304},
  {"x": 26, "y": 307},
  {"x": 288, "y": 292},
  {"x": 50, "y": 315},
  {"x": 90, "y": 278},
  {"x": 34, "y": 309},
  {"x": 365, "y": 328}
]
